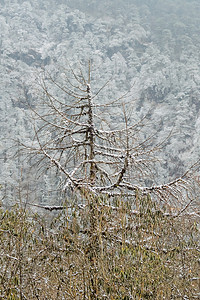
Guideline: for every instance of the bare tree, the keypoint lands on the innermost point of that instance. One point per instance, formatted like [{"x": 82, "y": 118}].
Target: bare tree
[
  {"x": 93, "y": 156},
  {"x": 97, "y": 158}
]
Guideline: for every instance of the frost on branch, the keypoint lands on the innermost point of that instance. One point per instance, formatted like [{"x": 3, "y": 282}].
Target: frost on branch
[{"x": 97, "y": 157}]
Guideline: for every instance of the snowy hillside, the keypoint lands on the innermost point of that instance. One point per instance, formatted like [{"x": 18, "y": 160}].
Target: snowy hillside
[{"x": 149, "y": 48}]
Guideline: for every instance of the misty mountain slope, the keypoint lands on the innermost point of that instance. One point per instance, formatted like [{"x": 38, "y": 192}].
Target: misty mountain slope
[{"x": 148, "y": 47}]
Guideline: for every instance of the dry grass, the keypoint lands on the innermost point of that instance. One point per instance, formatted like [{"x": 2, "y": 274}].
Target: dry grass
[{"x": 101, "y": 251}]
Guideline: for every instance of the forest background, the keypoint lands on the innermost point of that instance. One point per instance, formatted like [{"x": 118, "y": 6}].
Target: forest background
[{"x": 149, "y": 48}]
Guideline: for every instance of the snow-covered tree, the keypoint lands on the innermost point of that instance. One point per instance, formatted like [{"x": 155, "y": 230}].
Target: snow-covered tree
[{"x": 74, "y": 132}]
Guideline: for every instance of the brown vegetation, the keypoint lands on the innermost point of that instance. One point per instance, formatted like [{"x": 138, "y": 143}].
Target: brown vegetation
[{"x": 131, "y": 254}]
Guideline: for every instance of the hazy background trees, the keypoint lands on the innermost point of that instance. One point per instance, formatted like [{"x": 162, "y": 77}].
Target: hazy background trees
[{"x": 148, "y": 47}]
